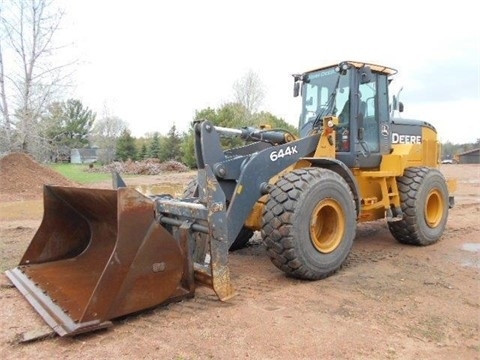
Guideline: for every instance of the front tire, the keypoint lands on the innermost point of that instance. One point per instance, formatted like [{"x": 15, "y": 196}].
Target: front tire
[
  {"x": 424, "y": 201},
  {"x": 309, "y": 223}
]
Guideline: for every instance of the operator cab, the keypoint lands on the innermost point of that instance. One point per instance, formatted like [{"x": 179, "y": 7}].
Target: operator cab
[{"x": 356, "y": 93}]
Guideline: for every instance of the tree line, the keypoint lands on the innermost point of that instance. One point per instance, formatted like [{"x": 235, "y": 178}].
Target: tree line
[{"x": 180, "y": 146}]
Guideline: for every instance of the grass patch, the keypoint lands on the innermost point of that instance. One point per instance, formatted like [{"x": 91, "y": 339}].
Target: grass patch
[{"x": 79, "y": 173}]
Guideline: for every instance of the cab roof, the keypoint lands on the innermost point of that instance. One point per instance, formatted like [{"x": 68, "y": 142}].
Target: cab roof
[{"x": 358, "y": 64}]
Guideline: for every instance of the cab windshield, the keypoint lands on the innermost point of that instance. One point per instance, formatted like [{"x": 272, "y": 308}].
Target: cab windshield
[{"x": 324, "y": 92}]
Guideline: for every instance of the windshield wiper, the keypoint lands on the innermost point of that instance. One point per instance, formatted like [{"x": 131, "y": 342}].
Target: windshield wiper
[{"x": 317, "y": 123}]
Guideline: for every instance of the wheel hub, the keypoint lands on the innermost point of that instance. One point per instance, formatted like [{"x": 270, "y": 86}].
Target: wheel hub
[
  {"x": 327, "y": 226},
  {"x": 434, "y": 208}
]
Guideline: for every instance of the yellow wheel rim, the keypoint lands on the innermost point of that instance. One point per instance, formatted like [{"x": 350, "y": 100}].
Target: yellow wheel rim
[
  {"x": 434, "y": 207},
  {"x": 327, "y": 225}
]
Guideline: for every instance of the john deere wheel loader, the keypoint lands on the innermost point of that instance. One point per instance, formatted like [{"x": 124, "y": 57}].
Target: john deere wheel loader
[{"x": 101, "y": 254}]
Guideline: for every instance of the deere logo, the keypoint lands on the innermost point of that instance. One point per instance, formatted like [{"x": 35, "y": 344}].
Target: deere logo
[{"x": 406, "y": 139}]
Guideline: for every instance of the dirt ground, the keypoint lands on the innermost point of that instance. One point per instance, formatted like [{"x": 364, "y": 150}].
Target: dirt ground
[{"x": 389, "y": 301}]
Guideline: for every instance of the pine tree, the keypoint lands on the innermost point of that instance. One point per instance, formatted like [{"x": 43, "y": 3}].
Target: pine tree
[
  {"x": 126, "y": 146},
  {"x": 154, "y": 151},
  {"x": 172, "y": 146},
  {"x": 143, "y": 152}
]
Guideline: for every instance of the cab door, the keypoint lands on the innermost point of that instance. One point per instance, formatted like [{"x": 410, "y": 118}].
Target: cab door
[{"x": 373, "y": 138}]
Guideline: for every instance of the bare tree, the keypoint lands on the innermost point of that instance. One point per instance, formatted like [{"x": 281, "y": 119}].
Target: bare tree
[
  {"x": 105, "y": 134},
  {"x": 249, "y": 91},
  {"x": 6, "y": 127},
  {"x": 29, "y": 79}
]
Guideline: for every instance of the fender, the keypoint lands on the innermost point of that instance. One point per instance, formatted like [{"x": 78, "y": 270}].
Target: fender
[{"x": 341, "y": 169}]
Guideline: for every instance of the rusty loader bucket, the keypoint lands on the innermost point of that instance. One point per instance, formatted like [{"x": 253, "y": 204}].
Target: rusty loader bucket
[{"x": 98, "y": 255}]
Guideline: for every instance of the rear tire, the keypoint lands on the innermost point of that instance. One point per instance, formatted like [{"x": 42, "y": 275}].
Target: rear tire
[
  {"x": 424, "y": 201},
  {"x": 309, "y": 223},
  {"x": 243, "y": 236}
]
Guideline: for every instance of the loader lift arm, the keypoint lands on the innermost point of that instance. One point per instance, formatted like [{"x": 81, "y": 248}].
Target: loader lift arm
[{"x": 243, "y": 176}]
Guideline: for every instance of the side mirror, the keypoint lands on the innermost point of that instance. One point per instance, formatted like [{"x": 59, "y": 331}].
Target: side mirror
[
  {"x": 400, "y": 106},
  {"x": 365, "y": 74}
]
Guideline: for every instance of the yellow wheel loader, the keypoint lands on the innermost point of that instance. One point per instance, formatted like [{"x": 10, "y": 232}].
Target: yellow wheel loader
[{"x": 101, "y": 254}]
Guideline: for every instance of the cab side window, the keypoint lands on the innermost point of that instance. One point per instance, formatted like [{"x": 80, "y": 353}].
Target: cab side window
[{"x": 368, "y": 105}]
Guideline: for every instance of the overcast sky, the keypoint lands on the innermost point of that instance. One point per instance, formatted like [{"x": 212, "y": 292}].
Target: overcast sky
[{"x": 154, "y": 63}]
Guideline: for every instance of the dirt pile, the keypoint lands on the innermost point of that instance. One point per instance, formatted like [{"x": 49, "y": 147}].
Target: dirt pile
[
  {"x": 21, "y": 177},
  {"x": 145, "y": 167}
]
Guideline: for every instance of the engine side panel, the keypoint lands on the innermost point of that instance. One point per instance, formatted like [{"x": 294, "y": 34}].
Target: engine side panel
[{"x": 420, "y": 138}]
